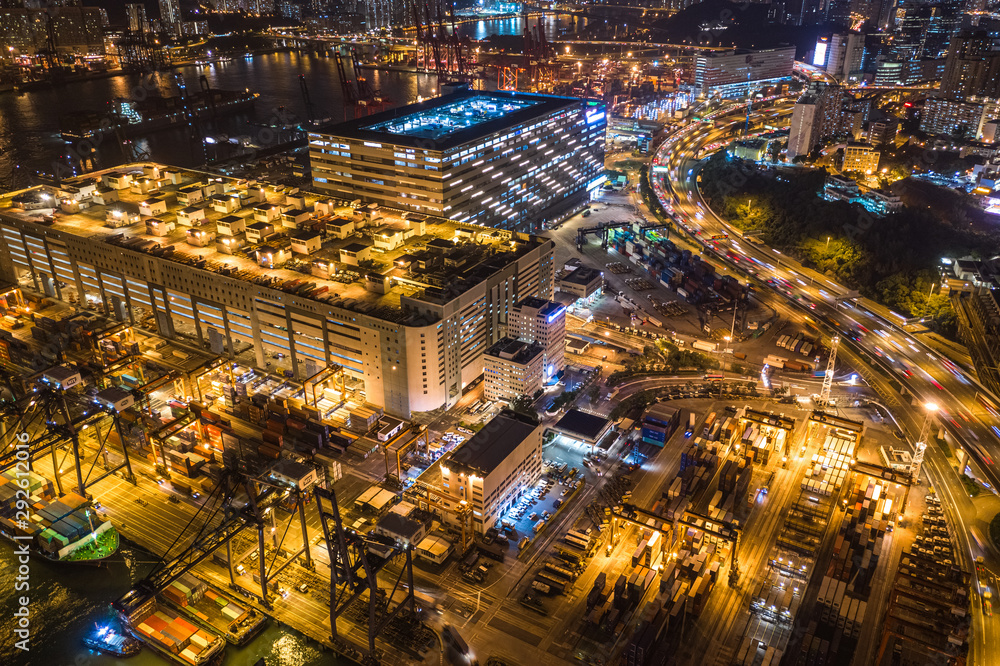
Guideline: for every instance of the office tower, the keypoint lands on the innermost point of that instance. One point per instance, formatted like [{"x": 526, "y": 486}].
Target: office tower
[
  {"x": 544, "y": 322},
  {"x": 908, "y": 42},
  {"x": 945, "y": 24}
]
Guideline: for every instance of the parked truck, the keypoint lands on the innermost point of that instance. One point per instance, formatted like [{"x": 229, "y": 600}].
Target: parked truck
[
  {"x": 704, "y": 346},
  {"x": 775, "y": 361}
]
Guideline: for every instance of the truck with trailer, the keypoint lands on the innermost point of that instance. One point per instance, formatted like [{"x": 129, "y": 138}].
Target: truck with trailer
[
  {"x": 775, "y": 361},
  {"x": 454, "y": 640},
  {"x": 702, "y": 345}
]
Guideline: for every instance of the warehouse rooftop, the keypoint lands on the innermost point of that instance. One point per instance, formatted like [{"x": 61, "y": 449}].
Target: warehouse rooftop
[
  {"x": 451, "y": 120},
  {"x": 443, "y": 121},
  {"x": 388, "y": 260},
  {"x": 490, "y": 446}
]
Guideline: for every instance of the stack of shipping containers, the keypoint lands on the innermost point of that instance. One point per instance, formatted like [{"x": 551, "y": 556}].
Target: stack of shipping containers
[{"x": 828, "y": 469}]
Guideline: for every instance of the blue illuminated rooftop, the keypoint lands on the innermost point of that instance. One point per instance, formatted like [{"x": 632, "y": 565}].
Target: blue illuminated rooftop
[
  {"x": 440, "y": 122},
  {"x": 454, "y": 119}
]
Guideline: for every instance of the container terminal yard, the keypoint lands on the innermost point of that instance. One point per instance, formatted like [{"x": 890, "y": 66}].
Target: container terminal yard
[{"x": 276, "y": 479}]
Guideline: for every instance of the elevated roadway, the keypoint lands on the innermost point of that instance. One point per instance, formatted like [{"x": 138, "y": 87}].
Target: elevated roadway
[{"x": 907, "y": 372}]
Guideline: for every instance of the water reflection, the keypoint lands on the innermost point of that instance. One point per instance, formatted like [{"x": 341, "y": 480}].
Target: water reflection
[{"x": 29, "y": 124}]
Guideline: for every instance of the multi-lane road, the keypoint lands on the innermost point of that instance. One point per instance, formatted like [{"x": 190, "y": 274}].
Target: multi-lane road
[
  {"x": 964, "y": 406},
  {"x": 893, "y": 359}
]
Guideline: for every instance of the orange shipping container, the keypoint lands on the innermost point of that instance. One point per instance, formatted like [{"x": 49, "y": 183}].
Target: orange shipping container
[
  {"x": 156, "y": 623},
  {"x": 187, "y": 625}
]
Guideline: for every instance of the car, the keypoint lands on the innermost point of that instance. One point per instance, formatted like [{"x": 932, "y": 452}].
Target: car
[
  {"x": 564, "y": 492},
  {"x": 533, "y": 516},
  {"x": 303, "y": 588},
  {"x": 240, "y": 570}
]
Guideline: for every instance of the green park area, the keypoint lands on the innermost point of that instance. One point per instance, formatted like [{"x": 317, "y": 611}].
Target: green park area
[{"x": 894, "y": 259}]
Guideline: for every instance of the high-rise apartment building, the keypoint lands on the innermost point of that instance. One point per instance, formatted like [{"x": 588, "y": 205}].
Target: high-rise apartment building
[
  {"x": 966, "y": 67},
  {"x": 170, "y": 12},
  {"x": 74, "y": 29},
  {"x": 802, "y": 129},
  {"x": 815, "y": 117},
  {"x": 498, "y": 159},
  {"x": 137, "y": 21},
  {"x": 951, "y": 117},
  {"x": 845, "y": 58},
  {"x": 544, "y": 322}
]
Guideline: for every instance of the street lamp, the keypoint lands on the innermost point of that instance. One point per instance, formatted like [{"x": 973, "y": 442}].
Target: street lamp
[
  {"x": 931, "y": 409},
  {"x": 921, "y": 444}
]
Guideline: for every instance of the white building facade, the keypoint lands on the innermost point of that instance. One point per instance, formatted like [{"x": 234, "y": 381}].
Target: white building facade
[{"x": 512, "y": 368}]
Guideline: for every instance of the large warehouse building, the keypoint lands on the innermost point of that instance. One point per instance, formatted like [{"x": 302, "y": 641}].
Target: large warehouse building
[
  {"x": 733, "y": 73},
  {"x": 498, "y": 159},
  {"x": 408, "y": 306}
]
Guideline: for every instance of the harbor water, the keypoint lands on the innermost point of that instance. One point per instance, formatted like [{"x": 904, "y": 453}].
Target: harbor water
[{"x": 67, "y": 602}]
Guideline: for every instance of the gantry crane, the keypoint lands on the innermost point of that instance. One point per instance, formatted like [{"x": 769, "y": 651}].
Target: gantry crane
[
  {"x": 354, "y": 569},
  {"x": 52, "y": 415}
]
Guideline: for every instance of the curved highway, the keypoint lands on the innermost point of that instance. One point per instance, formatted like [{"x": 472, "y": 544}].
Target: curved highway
[
  {"x": 967, "y": 410},
  {"x": 874, "y": 341}
]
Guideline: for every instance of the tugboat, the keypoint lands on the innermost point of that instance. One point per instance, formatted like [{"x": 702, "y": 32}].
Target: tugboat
[{"x": 107, "y": 640}]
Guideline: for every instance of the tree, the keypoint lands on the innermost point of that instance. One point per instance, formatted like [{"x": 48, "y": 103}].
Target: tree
[
  {"x": 636, "y": 401},
  {"x": 891, "y": 259},
  {"x": 594, "y": 393},
  {"x": 525, "y": 405}
]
